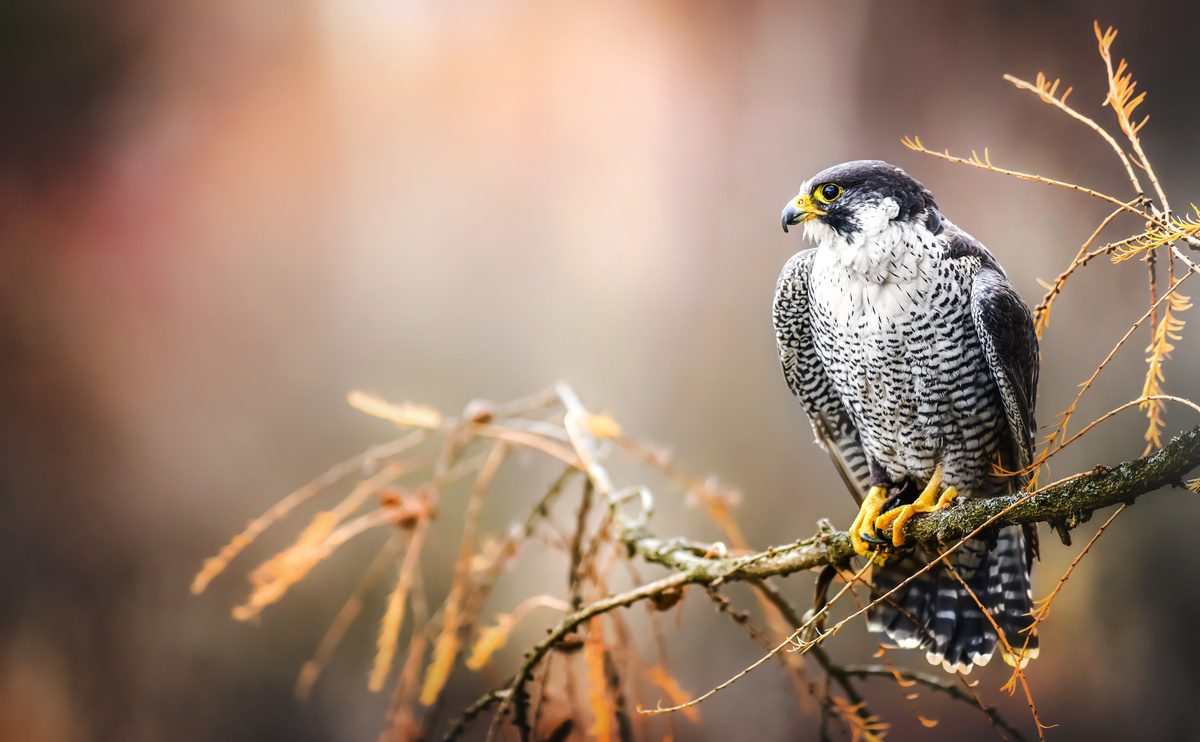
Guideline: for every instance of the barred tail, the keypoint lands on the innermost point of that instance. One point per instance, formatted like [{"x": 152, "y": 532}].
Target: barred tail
[{"x": 935, "y": 612}]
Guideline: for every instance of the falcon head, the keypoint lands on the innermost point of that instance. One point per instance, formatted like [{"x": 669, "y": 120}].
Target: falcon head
[{"x": 857, "y": 200}]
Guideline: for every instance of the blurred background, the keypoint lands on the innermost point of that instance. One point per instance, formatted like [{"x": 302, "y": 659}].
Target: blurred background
[{"x": 216, "y": 218}]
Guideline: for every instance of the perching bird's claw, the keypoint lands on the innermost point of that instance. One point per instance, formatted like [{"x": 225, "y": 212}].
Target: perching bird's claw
[
  {"x": 873, "y": 537},
  {"x": 927, "y": 502},
  {"x": 864, "y": 543}
]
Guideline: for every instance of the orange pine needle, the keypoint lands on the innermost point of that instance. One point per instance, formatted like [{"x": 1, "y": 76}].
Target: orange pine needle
[
  {"x": 602, "y": 425},
  {"x": 869, "y": 729},
  {"x": 444, "y": 653},
  {"x": 448, "y": 642},
  {"x": 215, "y": 565},
  {"x": 492, "y": 638},
  {"x": 273, "y": 577},
  {"x": 366, "y": 489},
  {"x": 393, "y": 618},
  {"x": 593, "y": 652},
  {"x": 409, "y": 415},
  {"x": 1160, "y": 349},
  {"x": 345, "y": 617}
]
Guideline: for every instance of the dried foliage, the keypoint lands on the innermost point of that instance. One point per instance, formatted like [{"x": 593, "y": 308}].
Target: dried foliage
[{"x": 402, "y": 485}]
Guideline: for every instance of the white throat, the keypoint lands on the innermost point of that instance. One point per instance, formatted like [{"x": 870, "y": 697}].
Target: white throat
[{"x": 880, "y": 251}]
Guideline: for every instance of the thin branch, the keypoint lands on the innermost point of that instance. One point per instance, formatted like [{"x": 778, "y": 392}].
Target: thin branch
[
  {"x": 1060, "y": 429},
  {"x": 485, "y": 702},
  {"x": 789, "y": 642},
  {"x": 350, "y": 610},
  {"x": 816, "y": 652},
  {"x": 1045, "y": 91},
  {"x": 1041, "y": 312},
  {"x": 1017, "y": 661},
  {"x": 1042, "y": 611},
  {"x": 1120, "y": 90},
  {"x": 914, "y": 143},
  {"x": 1077, "y": 498},
  {"x": 362, "y": 462},
  {"x": 575, "y": 574}
]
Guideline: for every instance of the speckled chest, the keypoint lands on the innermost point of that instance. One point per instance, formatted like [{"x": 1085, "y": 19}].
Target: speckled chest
[{"x": 899, "y": 346}]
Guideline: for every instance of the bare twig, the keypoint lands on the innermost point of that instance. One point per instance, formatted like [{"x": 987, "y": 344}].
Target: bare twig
[
  {"x": 472, "y": 712},
  {"x": 1017, "y": 661},
  {"x": 1045, "y": 90}
]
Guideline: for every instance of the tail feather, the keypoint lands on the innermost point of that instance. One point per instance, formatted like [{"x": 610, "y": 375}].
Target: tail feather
[
  {"x": 1011, "y": 589},
  {"x": 936, "y": 613},
  {"x": 902, "y": 615}
]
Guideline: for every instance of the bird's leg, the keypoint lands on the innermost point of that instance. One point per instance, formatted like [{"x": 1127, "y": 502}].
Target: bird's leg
[
  {"x": 816, "y": 616},
  {"x": 927, "y": 502},
  {"x": 867, "y": 515}
]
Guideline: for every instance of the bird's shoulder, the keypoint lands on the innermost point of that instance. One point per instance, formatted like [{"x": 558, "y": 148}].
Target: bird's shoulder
[
  {"x": 996, "y": 302},
  {"x": 797, "y": 267},
  {"x": 792, "y": 284},
  {"x": 960, "y": 246}
]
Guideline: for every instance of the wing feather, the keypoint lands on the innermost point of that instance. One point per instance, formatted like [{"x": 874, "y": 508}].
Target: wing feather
[
  {"x": 1005, "y": 328},
  {"x": 806, "y": 376}
]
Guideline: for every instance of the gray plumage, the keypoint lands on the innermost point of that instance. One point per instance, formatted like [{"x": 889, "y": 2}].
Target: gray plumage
[{"x": 909, "y": 349}]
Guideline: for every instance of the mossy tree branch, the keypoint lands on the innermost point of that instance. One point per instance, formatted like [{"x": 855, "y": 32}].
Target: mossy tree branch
[
  {"x": 1064, "y": 504},
  {"x": 1068, "y": 503}
]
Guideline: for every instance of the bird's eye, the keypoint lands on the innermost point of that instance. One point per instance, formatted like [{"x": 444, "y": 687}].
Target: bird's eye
[{"x": 828, "y": 192}]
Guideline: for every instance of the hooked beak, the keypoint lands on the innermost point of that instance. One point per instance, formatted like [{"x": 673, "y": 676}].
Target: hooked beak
[{"x": 800, "y": 209}]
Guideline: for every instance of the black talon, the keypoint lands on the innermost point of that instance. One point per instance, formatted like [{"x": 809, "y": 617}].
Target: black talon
[{"x": 871, "y": 538}]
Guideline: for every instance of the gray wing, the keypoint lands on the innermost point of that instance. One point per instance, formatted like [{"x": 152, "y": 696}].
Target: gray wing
[
  {"x": 1005, "y": 328},
  {"x": 807, "y": 379}
]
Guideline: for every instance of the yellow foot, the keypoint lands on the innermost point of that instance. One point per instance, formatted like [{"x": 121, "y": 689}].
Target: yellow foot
[
  {"x": 927, "y": 502},
  {"x": 871, "y": 506}
]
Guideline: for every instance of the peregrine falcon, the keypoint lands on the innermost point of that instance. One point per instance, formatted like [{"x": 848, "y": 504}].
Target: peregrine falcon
[{"x": 917, "y": 364}]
